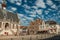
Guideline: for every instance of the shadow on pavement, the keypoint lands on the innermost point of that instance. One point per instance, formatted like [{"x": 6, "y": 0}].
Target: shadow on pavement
[{"x": 57, "y": 37}]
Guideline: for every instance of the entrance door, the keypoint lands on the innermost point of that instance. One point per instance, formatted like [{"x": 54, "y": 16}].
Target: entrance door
[{"x": 6, "y": 25}]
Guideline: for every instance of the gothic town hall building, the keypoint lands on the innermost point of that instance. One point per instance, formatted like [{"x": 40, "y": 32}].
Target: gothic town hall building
[{"x": 9, "y": 21}]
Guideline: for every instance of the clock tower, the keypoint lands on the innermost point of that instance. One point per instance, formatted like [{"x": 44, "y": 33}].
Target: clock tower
[{"x": 3, "y": 4}]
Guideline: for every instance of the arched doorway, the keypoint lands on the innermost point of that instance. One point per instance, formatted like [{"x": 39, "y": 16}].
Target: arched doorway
[{"x": 6, "y": 25}]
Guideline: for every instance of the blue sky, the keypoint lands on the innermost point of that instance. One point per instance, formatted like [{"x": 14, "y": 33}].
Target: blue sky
[{"x": 30, "y": 10}]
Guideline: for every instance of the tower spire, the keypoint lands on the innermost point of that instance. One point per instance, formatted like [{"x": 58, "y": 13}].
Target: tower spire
[
  {"x": 4, "y": 9},
  {"x": 3, "y": 4}
]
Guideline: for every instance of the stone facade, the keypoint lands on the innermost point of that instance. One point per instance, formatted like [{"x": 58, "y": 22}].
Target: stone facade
[
  {"x": 9, "y": 22},
  {"x": 23, "y": 30},
  {"x": 43, "y": 26},
  {"x": 52, "y": 27},
  {"x": 34, "y": 26}
]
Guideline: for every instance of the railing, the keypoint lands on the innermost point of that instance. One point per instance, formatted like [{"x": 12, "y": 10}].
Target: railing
[{"x": 28, "y": 37}]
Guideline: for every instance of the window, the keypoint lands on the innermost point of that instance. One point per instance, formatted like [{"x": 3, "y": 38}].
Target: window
[
  {"x": 13, "y": 26},
  {"x": 0, "y": 24},
  {"x": 17, "y": 26}
]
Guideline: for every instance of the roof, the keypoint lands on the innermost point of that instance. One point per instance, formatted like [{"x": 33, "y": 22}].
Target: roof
[
  {"x": 23, "y": 27},
  {"x": 51, "y": 22},
  {"x": 9, "y": 15},
  {"x": 38, "y": 21},
  {"x": 1, "y": 14},
  {"x": 13, "y": 17}
]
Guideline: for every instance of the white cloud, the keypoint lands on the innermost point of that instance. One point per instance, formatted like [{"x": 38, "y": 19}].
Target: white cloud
[
  {"x": 29, "y": 18},
  {"x": 25, "y": 0},
  {"x": 20, "y": 15},
  {"x": 59, "y": 11},
  {"x": 26, "y": 6},
  {"x": 18, "y": 3},
  {"x": 24, "y": 22},
  {"x": 39, "y": 11},
  {"x": 38, "y": 16},
  {"x": 32, "y": 15},
  {"x": 49, "y": 2},
  {"x": 13, "y": 8},
  {"x": 27, "y": 11},
  {"x": 58, "y": 16},
  {"x": 54, "y": 14},
  {"x": 35, "y": 7},
  {"x": 54, "y": 6},
  {"x": 23, "y": 19},
  {"x": 49, "y": 16},
  {"x": 12, "y": 1},
  {"x": 9, "y": 10},
  {"x": 49, "y": 9},
  {"x": 40, "y": 3},
  {"x": 46, "y": 11},
  {"x": 31, "y": 12},
  {"x": 42, "y": 16}
]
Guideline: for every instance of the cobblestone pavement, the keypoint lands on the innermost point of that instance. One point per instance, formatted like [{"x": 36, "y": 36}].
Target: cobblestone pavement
[{"x": 32, "y": 37}]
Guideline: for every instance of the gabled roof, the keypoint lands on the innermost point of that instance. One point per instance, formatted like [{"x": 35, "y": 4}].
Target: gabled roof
[
  {"x": 51, "y": 22},
  {"x": 13, "y": 17},
  {"x": 9, "y": 15},
  {"x": 23, "y": 27},
  {"x": 38, "y": 21}
]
